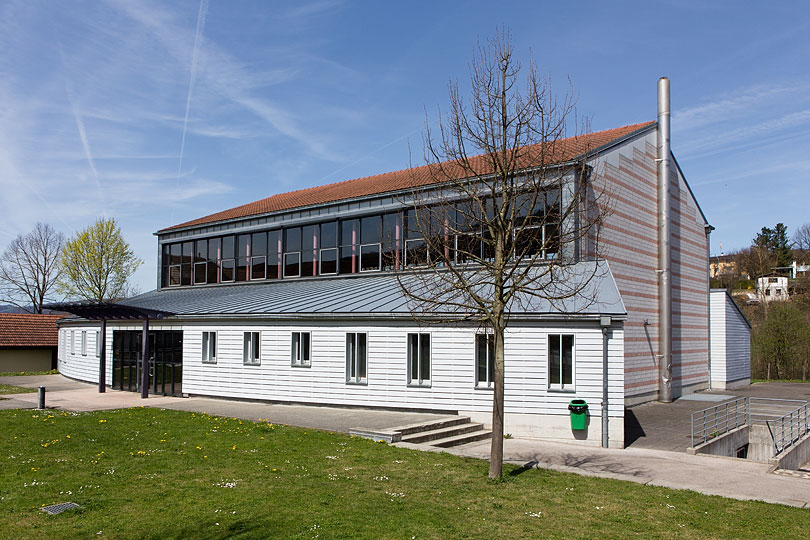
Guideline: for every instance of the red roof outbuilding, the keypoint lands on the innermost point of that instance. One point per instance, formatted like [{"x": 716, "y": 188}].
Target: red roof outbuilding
[{"x": 23, "y": 330}]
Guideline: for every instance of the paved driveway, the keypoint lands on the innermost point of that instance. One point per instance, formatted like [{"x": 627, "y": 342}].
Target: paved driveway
[{"x": 667, "y": 426}]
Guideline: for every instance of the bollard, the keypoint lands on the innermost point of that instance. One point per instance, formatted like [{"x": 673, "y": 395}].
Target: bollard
[{"x": 41, "y": 398}]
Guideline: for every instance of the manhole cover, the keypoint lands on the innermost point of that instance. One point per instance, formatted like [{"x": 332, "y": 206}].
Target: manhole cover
[{"x": 59, "y": 508}]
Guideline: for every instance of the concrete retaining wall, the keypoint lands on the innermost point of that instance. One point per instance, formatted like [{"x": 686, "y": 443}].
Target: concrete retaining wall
[
  {"x": 795, "y": 456},
  {"x": 724, "y": 445}
]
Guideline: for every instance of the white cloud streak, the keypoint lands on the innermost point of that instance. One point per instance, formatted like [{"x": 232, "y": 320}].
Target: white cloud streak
[{"x": 192, "y": 75}]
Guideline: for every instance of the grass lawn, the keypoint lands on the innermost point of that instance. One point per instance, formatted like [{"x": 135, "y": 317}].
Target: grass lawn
[
  {"x": 18, "y": 373},
  {"x": 144, "y": 473},
  {"x": 756, "y": 381},
  {"x": 10, "y": 389}
]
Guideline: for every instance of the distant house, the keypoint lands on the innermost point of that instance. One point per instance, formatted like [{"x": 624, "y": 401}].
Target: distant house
[
  {"x": 28, "y": 342},
  {"x": 772, "y": 287},
  {"x": 724, "y": 265}
]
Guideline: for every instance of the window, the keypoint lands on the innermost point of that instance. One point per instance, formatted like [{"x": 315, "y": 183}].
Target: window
[
  {"x": 292, "y": 252},
  {"x": 370, "y": 243},
  {"x": 419, "y": 359},
  {"x": 250, "y": 350},
  {"x": 356, "y": 348},
  {"x": 300, "y": 349},
  {"x": 209, "y": 347},
  {"x": 98, "y": 343},
  {"x": 73, "y": 342},
  {"x": 484, "y": 360},
  {"x": 329, "y": 252},
  {"x": 561, "y": 361},
  {"x": 258, "y": 256},
  {"x": 349, "y": 239},
  {"x": 201, "y": 262},
  {"x": 84, "y": 343}
]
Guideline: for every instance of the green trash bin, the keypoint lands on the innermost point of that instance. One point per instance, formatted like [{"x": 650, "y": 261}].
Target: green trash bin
[{"x": 579, "y": 413}]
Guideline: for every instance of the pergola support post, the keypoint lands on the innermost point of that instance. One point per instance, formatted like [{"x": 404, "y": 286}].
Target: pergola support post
[
  {"x": 102, "y": 358},
  {"x": 145, "y": 360}
]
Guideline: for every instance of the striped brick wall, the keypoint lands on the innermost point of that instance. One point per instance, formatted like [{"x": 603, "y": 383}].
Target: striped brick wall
[{"x": 628, "y": 240}]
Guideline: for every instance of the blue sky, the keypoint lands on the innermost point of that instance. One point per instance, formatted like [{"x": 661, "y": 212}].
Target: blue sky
[{"x": 156, "y": 113}]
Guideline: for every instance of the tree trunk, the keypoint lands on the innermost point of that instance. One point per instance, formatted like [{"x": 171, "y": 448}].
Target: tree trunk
[{"x": 496, "y": 448}]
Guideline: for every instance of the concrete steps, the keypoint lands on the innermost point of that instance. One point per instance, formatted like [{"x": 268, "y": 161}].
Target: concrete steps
[
  {"x": 446, "y": 434},
  {"x": 432, "y": 436},
  {"x": 442, "y": 433}
]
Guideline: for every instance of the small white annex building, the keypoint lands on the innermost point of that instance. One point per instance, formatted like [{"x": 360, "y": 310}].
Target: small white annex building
[{"x": 730, "y": 339}]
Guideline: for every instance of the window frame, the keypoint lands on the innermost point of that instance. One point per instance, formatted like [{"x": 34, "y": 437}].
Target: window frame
[
  {"x": 252, "y": 265},
  {"x": 222, "y": 263},
  {"x": 172, "y": 269},
  {"x": 353, "y": 360},
  {"x": 377, "y": 245},
  {"x": 320, "y": 261},
  {"x": 296, "y": 358},
  {"x": 284, "y": 264},
  {"x": 252, "y": 348},
  {"x": 419, "y": 381},
  {"x": 561, "y": 386},
  {"x": 488, "y": 384},
  {"x": 206, "y": 349},
  {"x": 204, "y": 265}
]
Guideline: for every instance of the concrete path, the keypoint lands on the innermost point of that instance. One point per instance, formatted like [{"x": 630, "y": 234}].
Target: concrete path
[
  {"x": 706, "y": 474},
  {"x": 64, "y": 393},
  {"x": 727, "y": 477}
]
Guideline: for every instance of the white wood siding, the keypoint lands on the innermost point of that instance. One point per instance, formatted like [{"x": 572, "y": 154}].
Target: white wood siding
[
  {"x": 730, "y": 342},
  {"x": 452, "y": 366},
  {"x": 71, "y": 363}
]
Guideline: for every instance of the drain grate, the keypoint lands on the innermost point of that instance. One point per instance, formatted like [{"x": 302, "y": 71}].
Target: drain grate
[{"x": 59, "y": 508}]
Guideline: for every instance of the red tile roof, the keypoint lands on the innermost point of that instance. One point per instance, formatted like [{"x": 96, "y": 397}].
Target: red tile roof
[
  {"x": 561, "y": 151},
  {"x": 26, "y": 330}
]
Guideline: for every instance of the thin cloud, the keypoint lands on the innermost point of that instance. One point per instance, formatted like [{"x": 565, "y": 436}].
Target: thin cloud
[
  {"x": 307, "y": 10},
  {"x": 730, "y": 107},
  {"x": 756, "y": 134},
  {"x": 226, "y": 76},
  {"x": 192, "y": 75}
]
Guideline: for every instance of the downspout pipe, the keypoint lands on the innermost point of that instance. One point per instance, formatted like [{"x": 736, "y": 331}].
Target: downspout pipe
[
  {"x": 664, "y": 247},
  {"x": 605, "y": 322}
]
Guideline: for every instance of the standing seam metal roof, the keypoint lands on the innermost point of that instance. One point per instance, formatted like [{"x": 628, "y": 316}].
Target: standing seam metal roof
[{"x": 365, "y": 295}]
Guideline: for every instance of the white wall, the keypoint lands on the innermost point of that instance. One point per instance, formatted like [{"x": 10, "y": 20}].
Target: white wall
[
  {"x": 531, "y": 408},
  {"x": 730, "y": 343}
]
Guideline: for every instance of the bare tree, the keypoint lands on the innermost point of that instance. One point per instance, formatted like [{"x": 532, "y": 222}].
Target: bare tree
[
  {"x": 29, "y": 267},
  {"x": 506, "y": 213},
  {"x": 801, "y": 243}
]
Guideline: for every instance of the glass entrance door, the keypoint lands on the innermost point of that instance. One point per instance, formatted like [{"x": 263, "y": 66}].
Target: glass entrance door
[{"x": 165, "y": 361}]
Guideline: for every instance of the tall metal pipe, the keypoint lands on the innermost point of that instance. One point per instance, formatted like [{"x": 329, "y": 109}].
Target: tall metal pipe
[
  {"x": 664, "y": 248},
  {"x": 605, "y": 323}
]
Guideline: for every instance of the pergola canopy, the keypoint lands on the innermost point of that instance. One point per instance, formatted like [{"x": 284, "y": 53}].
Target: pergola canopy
[{"x": 108, "y": 311}]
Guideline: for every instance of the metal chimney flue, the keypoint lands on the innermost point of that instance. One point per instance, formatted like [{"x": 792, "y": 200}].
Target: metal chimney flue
[{"x": 664, "y": 248}]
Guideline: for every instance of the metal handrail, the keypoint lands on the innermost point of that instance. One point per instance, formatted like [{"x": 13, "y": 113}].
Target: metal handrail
[
  {"x": 788, "y": 429},
  {"x": 714, "y": 421}
]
